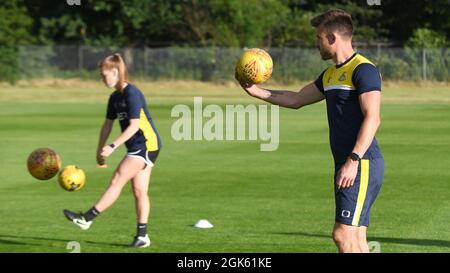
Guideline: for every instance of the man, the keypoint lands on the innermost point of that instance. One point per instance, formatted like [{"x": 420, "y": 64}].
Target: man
[{"x": 352, "y": 90}]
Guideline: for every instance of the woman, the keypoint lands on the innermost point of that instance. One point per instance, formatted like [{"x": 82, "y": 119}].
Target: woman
[{"x": 128, "y": 105}]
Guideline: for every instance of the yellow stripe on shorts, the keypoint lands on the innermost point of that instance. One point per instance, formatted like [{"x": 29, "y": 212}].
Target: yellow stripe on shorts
[{"x": 363, "y": 183}]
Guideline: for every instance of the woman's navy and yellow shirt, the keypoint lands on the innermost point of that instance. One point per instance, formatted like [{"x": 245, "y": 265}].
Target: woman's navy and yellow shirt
[{"x": 131, "y": 104}]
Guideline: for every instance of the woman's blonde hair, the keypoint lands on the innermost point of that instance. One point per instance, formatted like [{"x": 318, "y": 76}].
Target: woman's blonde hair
[{"x": 116, "y": 61}]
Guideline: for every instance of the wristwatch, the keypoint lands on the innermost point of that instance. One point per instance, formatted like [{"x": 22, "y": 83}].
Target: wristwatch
[
  {"x": 112, "y": 145},
  {"x": 354, "y": 157}
]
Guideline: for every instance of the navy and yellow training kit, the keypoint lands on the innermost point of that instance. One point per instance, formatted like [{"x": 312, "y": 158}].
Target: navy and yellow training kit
[{"x": 342, "y": 85}]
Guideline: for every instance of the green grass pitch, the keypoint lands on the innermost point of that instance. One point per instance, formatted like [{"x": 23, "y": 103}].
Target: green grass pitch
[{"x": 279, "y": 201}]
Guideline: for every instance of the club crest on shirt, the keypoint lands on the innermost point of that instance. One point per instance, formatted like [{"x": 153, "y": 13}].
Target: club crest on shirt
[
  {"x": 120, "y": 104},
  {"x": 122, "y": 115},
  {"x": 342, "y": 77}
]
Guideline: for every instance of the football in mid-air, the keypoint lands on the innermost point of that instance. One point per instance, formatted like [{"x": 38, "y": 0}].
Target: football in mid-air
[
  {"x": 254, "y": 66},
  {"x": 43, "y": 163},
  {"x": 71, "y": 178}
]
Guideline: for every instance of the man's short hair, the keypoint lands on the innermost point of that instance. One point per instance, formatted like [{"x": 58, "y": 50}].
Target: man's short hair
[{"x": 335, "y": 21}]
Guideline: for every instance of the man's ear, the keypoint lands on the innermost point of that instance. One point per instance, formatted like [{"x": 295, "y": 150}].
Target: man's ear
[{"x": 331, "y": 37}]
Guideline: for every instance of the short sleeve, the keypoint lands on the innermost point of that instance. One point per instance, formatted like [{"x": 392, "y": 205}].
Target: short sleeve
[
  {"x": 134, "y": 104},
  {"x": 110, "y": 111},
  {"x": 319, "y": 82},
  {"x": 366, "y": 77}
]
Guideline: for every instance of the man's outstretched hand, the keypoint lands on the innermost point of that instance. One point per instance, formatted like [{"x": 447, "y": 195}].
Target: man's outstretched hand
[{"x": 252, "y": 89}]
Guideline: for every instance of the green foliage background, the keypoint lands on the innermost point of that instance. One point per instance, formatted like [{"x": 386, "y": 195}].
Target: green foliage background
[{"x": 278, "y": 24}]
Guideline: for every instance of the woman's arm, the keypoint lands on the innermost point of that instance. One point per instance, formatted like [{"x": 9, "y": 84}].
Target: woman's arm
[
  {"x": 132, "y": 128},
  {"x": 104, "y": 134}
]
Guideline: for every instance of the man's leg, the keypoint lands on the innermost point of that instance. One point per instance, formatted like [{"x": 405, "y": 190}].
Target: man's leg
[
  {"x": 362, "y": 238},
  {"x": 346, "y": 238},
  {"x": 353, "y": 206}
]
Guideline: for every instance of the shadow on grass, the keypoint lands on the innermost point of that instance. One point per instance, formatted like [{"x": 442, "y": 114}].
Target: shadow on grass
[
  {"x": 404, "y": 241},
  {"x": 14, "y": 242},
  {"x": 11, "y": 242}
]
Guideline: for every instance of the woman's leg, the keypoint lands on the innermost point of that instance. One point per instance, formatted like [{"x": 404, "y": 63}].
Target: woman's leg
[
  {"x": 128, "y": 168},
  {"x": 140, "y": 184}
]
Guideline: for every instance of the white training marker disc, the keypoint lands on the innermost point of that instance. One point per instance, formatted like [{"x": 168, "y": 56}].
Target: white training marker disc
[{"x": 203, "y": 224}]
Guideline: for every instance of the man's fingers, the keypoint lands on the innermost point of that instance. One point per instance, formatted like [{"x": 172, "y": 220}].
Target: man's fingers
[
  {"x": 346, "y": 182},
  {"x": 339, "y": 181},
  {"x": 351, "y": 182},
  {"x": 244, "y": 84},
  {"x": 343, "y": 182}
]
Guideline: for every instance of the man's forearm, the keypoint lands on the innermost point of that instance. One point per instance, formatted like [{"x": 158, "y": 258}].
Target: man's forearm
[
  {"x": 283, "y": 98},
  {"x": 278, "y": 97},
  {"x": 309, "y": 94}
]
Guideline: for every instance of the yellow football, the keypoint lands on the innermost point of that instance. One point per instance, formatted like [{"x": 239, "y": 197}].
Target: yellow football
[
  {"x": 254, "y": 66},
  {"x": 71, "y": 178}
]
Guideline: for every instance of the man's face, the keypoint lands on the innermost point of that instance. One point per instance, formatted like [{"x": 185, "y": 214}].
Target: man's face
[{"x": 323, "y": 44}]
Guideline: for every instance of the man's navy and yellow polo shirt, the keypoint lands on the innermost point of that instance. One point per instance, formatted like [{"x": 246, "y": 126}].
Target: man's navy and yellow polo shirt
[{"x": 342, "y": 84}]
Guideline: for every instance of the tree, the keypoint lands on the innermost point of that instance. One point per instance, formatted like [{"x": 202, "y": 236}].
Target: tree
[
  {"x": 103, "y": 22},
  {"x": 15, "y": 25},
  {"x": 426, "y": 38},
  {"x": 232, "y": 22},
  {"x": 295, "y": 30},
  {"x": 402, "y": 18}
]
